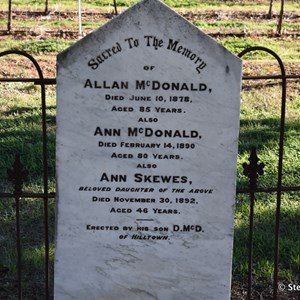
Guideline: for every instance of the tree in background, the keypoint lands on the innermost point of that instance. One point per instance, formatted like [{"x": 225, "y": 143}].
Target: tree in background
[
  {"x": 279, "y": 25},
  {"x": 280, "y": 20},
  {"x": 46, "y": 7},
  {"x": 115, "y": 7},
  {"x": 269, "y": 16},
  {"x": 9, "y": 17}
]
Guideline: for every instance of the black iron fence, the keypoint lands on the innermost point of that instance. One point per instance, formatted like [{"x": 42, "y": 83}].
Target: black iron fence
[{"x": 18, "y": 174}]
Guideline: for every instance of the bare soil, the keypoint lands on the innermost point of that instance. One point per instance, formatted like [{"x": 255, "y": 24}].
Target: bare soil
[
  {"x": 16, "y": 66},
  {"x": 104, "y": 16},
  {"x": 210, "y": 15}
]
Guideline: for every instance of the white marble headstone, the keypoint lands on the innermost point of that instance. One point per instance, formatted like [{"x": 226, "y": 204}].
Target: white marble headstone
[{"x": 147, "y": 135}]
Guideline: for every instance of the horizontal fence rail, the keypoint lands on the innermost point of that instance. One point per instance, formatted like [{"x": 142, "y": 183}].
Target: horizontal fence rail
[
  {"x": 52, "y": 81},
  {"x": 17, "y": 174}
]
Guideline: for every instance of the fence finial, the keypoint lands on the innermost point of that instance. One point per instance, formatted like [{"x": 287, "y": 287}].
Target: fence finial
[
  {"x": 17, "y": 175},
  {"x": 253, "y": 169}
]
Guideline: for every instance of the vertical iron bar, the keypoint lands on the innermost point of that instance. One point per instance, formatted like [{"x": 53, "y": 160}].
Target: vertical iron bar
[
  {"x": 280, "y": 160},
  {"x": 115, "y": 7},
  {"x": 252, "y": 170},
  {"x": 279, "y": 25},
  {"x": 250, "y": 253},
  {"x": 9, "y": 16},
  {"x": 19, "y": 251},
  {"x": 279, "y": 180},
  {"x": 17, "y": 175},
  {"x": 46, "y": 7}
]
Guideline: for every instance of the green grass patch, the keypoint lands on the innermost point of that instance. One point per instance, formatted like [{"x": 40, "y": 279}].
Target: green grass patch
[
  {"x": 261, "y": 6},
  {"x": 264, "y": 241},
  {"x": 287, "y": 49},
  {"x": 260, "y": 122},
  {"x": 243, "y": 25},
  {"x": 33, "y": 46},
  {"x": 71, "y": 25},
  {"x": 88, "y": 4},
  {"x": 44, "y": 46},
  {"x": 20, "y": 130},
  {"x": 33, "y": 247}
]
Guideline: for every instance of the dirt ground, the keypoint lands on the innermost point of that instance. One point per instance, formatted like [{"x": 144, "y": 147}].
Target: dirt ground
[
  {"x": 48, "y": 62},
  {"x": 102, "y": 17}
]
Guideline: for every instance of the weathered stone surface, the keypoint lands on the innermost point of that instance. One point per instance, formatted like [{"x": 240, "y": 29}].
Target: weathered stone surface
[{"x": 147, "y": 134}]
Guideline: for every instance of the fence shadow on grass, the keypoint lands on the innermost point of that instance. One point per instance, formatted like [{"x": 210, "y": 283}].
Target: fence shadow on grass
[{"x": 264, "y": 241}]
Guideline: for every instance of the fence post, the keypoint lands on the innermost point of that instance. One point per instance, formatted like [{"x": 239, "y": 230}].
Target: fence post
[
  {"x": 45, "y": 162},
  {"x": 46, "y": 7},
  {"x": 280, "y": 158},
  {"x": 17, "y": 175},
  {"x": 252, "y": 170},
  {"x": 9, "y": 16},
  {"x": 115, "y": 7}
]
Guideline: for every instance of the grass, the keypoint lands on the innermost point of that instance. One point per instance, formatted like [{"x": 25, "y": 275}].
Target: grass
[
  {"x": 244, "y": 25},
  {"x": 33, "y": 5},
  {"x": 33, "y": 46},
  {"x": 264, "y": 226},
  {"x": 260, "y": 121},
  {"x": 44, "y": 46},
  {"x": 20, "y": 130},
  {"x": 87, "y": 25},
  {"x": 287, "y": 49},
  {"x": 70, "y": 25}
]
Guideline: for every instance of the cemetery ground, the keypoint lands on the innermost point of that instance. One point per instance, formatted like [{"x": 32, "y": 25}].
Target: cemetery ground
[{"x": 237, "y": 25}]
